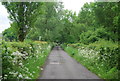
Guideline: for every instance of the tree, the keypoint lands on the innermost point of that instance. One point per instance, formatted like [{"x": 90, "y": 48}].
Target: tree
[
  {"x": 49, "y": 22},
  {"x": 100, "y": 15},
  {"x": 24, "y": 14},
  {"x": 10, "y": 34},
  {"x": 107, "y": 15},
  {"x": 87, "y": 15}
]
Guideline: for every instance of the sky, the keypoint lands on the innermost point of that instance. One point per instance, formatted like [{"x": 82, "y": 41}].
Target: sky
[
  {"x": 4, "y": 21},
  {"x": 74, "y": 5}
]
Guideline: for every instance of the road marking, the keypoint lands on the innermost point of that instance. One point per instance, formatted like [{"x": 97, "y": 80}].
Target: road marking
[{"x": 54, "y": 63}]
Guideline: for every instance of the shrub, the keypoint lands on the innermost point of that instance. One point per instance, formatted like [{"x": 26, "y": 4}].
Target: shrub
[
  {"x": 92, "y": 36},
  {"x": 18, "y": 59},
  {"x": 100, "y": 57}
]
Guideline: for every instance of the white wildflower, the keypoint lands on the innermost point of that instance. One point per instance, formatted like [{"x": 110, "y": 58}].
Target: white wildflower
[
  {"x": 6, "y": 75},
  {"x": 30, "y": 74},
  {"x": 15, "y": 74},
  {"x": 41, "y": 68},
  {"x": 20, "y": 76},
  {"x": 30, "y": 47},
  {"x": 40, "y": 47},
  {"x": 36, "y": 56},
  {"x": 33, "y": 71},
  {"x": 20, "y": 64},
  {"x": 17, "y": 54},
  {"x": 27, "y": 77}
]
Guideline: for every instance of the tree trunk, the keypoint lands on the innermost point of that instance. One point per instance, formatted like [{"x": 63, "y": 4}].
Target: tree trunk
[{"x": 21, "y": 24}]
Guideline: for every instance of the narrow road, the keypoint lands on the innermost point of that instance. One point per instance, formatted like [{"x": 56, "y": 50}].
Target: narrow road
[{"x": 61, "y": 66}]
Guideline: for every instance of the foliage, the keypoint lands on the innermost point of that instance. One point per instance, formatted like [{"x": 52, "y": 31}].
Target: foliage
[
  {"x": 99, "y": 17},
  {"x": 18, "y": 59},
  {"x": 94, "y": 35},
  {"x": 100, "y": 57},
  {"x": 91, "y": 36},
  {"x": 49, "y": 22},
  {"x": 59, "y": 25},
  {"x": 110, "y": 17},
  {"x": 10, "y": 34},
  {"x": 24, "y": 14}
]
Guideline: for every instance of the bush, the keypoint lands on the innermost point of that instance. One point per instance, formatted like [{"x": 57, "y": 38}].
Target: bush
[
  {"x": 93, "y": 36},
  {"x": 18, "y": 59},
  {"x": 100, "y": 57},
  {"x": 108, "y": 52}
]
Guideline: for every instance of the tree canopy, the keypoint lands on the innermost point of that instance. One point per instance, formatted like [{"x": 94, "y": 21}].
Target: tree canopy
[
  {"x": 48, "y": 21},
  {"x": 24, "y": 14}
]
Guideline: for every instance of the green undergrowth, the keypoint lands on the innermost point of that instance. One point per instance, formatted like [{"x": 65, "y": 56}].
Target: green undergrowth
[
  {"x": 100, "y": 57},
  {"x": 23, "y": 60}
]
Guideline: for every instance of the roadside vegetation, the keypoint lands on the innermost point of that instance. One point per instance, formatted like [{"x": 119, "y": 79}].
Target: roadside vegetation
[
  {"x": 23, "y": 60},
  {"x": 90, "y": 37},
  {"x": 100, "y": 57}
]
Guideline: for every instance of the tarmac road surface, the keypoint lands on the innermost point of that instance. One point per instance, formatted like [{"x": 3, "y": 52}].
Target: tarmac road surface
[{"x": 60, "y": 65}]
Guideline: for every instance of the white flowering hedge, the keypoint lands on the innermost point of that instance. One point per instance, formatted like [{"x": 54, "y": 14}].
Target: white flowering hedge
[
  {"x": 22, "y": 60},
  {"x": 101, "y": 59}
]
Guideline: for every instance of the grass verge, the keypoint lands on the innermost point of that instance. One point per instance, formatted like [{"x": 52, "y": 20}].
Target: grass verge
[{"x": 103, "y": 63}]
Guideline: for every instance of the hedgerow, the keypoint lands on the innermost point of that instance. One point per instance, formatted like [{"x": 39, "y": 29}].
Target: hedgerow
[
  {"x": 100, "y": 57},
  {"x": 23, "y": 60}
]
